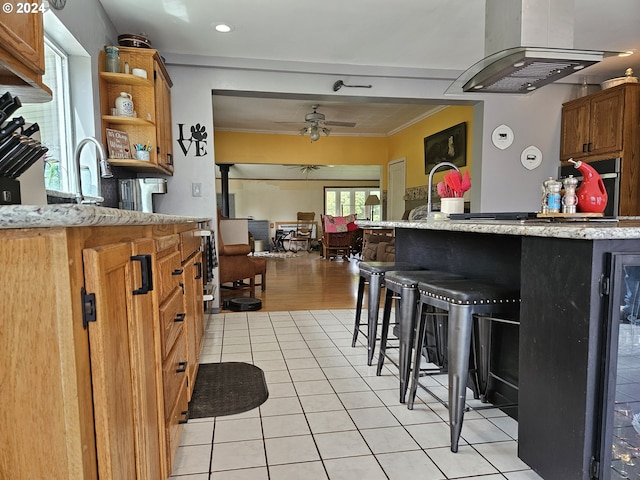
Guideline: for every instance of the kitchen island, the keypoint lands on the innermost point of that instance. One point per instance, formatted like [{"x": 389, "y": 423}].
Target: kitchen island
[
  {"x": 572, "y": 290},
  {"x": 102, "y": 327}
]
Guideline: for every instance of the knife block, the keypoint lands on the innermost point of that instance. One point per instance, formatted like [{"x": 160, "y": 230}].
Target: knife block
[{"x": 9, "y": 191}]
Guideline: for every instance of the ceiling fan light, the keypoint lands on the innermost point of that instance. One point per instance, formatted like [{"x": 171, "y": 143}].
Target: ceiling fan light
[{"x": 314, "y": 134}]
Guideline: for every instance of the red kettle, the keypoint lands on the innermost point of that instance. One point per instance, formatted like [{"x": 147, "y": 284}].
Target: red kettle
[{"x": 592, "y": 196}]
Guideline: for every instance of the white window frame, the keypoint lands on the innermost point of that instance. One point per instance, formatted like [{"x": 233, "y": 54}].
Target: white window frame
[{"x": 376, "y": 213}]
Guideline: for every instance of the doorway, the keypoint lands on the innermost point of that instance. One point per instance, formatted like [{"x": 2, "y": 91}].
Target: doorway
[{"x": 396, "y": 172}]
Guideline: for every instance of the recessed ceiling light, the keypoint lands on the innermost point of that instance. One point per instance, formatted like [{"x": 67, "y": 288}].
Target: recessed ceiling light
[
  {"x": 626, "y": 54},
  {"x": 223, "y": 27}
]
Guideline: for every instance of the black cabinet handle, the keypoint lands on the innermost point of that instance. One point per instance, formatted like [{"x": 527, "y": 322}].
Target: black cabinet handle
[
  {"x": 147, "y": 274},
  {"x": 185, "y": 417},
  {"x": 589, "y": 147},
  {"x": 182, "y": 367},
  {"x": 180, "y": 317},
  {"x": 170, "y": 158},
  {"x": 199, "y": 267},
  {"x": 182, "y": 287},
  {"x": 584, "y": 148},
  {"x": 177, "y": 271}
]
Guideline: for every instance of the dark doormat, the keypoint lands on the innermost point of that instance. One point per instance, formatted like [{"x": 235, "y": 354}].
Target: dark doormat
[{"x": 226, "y": 389}]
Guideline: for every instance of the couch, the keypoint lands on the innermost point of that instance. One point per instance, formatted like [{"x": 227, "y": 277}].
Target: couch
[{"x": 378, "y": 248}]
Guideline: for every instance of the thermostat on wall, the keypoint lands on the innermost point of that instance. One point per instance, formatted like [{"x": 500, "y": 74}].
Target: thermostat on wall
[
  {"x": 502, "y": 137},
  {"x": 531, "y": 157}
]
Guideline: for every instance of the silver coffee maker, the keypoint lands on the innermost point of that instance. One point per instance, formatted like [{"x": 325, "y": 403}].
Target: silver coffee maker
[{"x": 136, "y": 193}]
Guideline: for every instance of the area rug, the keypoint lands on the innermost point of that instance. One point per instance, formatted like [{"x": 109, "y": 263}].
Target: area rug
[
  {"x": 277, "y": 254},
  {"x": 227, "y": 388}
]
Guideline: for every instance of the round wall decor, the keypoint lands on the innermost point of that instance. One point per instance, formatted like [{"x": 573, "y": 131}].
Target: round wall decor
[{"x": 502, "y": 137}]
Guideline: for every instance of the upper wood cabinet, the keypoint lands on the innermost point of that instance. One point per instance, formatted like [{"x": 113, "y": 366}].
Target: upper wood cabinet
[
  {"x": 601, "y": 125},
  {"x": 22, "y": 53},
  {"x": 152, "y": 104}
]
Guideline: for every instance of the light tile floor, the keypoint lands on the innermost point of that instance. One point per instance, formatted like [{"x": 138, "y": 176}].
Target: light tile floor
[{"x": 329, "y": 416}]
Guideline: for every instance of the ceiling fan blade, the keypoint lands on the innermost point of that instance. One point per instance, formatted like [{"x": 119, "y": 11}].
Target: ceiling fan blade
[{"x": 339, "y": 124}]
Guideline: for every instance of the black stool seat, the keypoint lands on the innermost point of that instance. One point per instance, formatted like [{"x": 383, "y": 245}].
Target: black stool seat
[
  {"x": 373, "y": 273},
  {"x": 469, "y": 292},
  {"x": 405, "y": 285},
  {"x": 383, "y": 267},
  {"x": 462, "y": 299}
]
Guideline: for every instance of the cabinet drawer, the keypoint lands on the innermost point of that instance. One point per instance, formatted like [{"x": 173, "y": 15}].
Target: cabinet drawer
[
  {"x": 174, "y": 373},
  {"x": 174, "y": 425},
  {"x": 189, "y": 243},
  {"x": 172, "y": 319},
  {"x": 169, "y": 274}
]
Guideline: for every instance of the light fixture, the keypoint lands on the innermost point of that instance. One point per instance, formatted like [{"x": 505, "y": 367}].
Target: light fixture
[
  {"x": 371, "y": 202},
  {"x": 223, "y": 27},
  {"x": 314, "y": 130}
]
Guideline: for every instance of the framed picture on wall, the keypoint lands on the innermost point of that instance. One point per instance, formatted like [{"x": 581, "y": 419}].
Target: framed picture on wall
[{"x": 449, "y": 145}]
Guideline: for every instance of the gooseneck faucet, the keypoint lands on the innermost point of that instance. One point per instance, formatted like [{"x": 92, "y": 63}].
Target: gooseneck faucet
[
  {"x": 101, "y": 163},
  {"x": 436, "y": 167}
]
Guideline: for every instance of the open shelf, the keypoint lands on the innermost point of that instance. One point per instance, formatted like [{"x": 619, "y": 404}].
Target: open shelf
[
  {"x": 119, "y": 120},
  {"x": 126, "y": 79}
]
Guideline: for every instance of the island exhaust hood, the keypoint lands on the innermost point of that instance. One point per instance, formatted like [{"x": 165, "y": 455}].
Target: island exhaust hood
[{"x": 513, "y": 67}]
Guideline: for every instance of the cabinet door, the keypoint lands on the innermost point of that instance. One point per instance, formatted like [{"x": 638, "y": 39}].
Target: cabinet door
[
  {"x": 163, "y": 122},
  {"x": 194, "y": 308},
  {"x": 607, "y": 116},
  {"x": 123, "y": 371},
  {"x": 620, "y": 442},
  {"x": 22, "y": 36},
  {"x": 575, "y": 130}
]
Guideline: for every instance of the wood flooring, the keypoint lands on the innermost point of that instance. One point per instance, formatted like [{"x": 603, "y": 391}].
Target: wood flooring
[{"x": 307, "y": 282}]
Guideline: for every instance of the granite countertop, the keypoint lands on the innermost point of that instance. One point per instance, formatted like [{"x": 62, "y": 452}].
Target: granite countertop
[
  {"x": 621, "y": 228},
  {"x": 73, "y": 215}
]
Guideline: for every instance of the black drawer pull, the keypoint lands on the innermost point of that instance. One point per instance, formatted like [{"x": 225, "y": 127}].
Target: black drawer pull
[
  {"x": 177, "y": 271},
  {"x": 185, "y": 417},
  {"x": 147, "y": 274},
  {"x": 585, "y": 148},
  {"x": 199, "y": 267},
  {"x": 182, "y": 367},
  {"x": 179, "y": 317}
]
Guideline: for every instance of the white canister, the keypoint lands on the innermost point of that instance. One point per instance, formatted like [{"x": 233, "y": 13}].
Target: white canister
[
  {"x": 452, "y": 205},
  {"x": 124, "y": 105}
]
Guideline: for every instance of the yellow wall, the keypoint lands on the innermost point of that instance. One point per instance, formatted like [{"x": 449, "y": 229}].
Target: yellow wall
[
  {"x": 237, "y": 147},
  {"x": 409, "y": 143}
]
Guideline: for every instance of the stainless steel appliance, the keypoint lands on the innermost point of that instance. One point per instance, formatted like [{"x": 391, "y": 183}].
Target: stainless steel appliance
[
  {"x": 609, "y": 170},
  {"x": 137, "y": 193}
]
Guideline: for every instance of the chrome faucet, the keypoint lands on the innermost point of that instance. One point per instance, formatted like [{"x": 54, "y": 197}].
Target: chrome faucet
[
  {"x": 436, "y": 167},
  {"x": 101, "y": 163}
]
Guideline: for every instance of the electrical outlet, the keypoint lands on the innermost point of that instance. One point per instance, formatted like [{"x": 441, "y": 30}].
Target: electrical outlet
[{"x": 196, "y": 189}]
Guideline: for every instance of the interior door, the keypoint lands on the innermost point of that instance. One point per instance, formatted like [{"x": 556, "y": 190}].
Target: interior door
[{"x": 396, "y": 182}]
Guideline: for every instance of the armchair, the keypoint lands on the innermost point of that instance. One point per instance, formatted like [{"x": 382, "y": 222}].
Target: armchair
[
  {"x": 337, "y": 236},
  {"x": 235, "y": 265}
]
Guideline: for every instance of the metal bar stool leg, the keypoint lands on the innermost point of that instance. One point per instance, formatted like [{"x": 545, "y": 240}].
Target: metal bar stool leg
[
  {"x": 408, "y": 305},
  {"x": 388, "y": 300},
  {"x": 460, "y": 330},
  {"x": 356, "y": 328},
  {"x": 417, "y": 355},
  {"x": 373, "y": 308}
]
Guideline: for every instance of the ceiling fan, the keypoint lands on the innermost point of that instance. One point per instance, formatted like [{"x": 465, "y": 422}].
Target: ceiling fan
[{"x": 317, "y": 124}]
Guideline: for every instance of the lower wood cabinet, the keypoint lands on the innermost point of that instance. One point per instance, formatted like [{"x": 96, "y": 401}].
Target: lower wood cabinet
[{"x": 95, "y": 350}]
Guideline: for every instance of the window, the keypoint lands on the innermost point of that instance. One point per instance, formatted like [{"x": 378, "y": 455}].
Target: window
[
  {"x": 348, "y": 200},
  {"x": 54, "y": 119}
]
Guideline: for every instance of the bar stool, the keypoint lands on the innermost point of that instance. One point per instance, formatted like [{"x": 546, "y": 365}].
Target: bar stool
[
  {"x": 462, "y": 299},
  {"x": 405, "y": 287},
  {"x": 372, "y": 274}
]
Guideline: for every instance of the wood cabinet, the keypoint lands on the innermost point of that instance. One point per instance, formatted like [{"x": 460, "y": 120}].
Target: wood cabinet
[
  {"x": 602, "y": 125},
  {"x": 94, "y": 351},
  {"x": 22, "y": 53},
  {"x": 606, "y": 125},
  {"x": 152, "y": 105}
]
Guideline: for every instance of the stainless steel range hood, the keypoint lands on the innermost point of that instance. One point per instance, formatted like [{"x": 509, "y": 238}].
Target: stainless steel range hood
[
  {"x": 523, "y": 70},
  {"x": 513, "y": 67}
]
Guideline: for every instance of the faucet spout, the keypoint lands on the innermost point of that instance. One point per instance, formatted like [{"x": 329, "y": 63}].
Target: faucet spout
[
  {"x": 433, "y": 170},
  {"x": 101, "y": 163}
]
